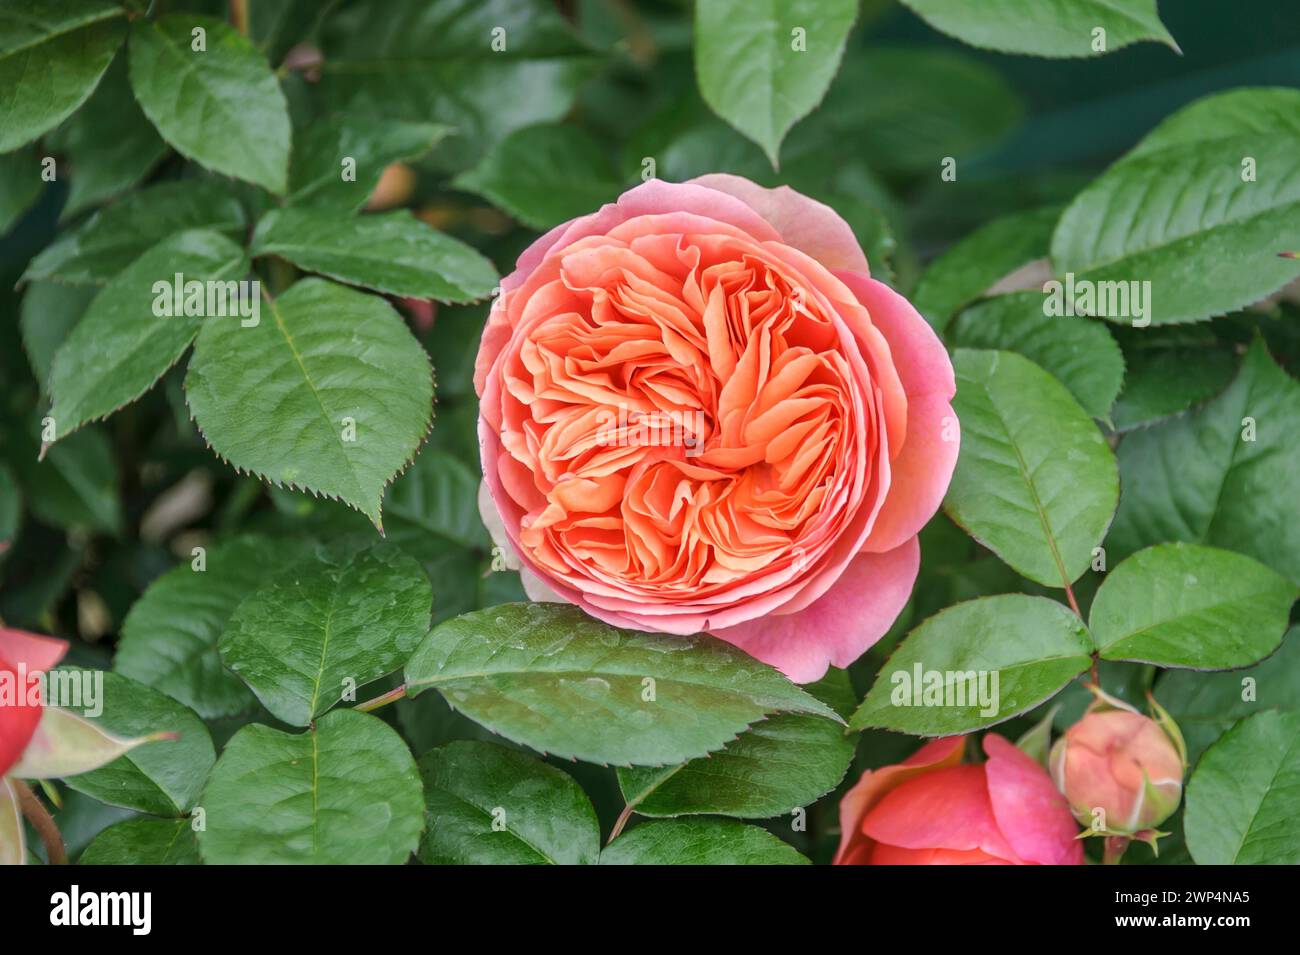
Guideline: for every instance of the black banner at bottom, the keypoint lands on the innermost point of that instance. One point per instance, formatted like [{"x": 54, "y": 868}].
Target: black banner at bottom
[{"x": 212, "y": 903}]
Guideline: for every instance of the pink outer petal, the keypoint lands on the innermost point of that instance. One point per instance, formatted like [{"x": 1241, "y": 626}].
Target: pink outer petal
[
  {"x": 1030, "y": 812},
  {"x": 841, "y": 624},
  {"x": 873, "y": 786},
  {"x": 945, "y": 809},
  {"x": 808, "y": 225},
  {"x": 32, "y": 650},
  {"x": 893, "y": 855},
  {"x": 924, "y": 466}
]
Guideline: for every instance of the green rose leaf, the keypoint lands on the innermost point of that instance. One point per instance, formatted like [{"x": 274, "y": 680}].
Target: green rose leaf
[
  {"x": 169, "y": 638},
  {"x": 133, "y": 332},
  {"x": 764, "y": 66},
  {"x": 1081, "y": 354},
  {"x": 544, "y": 175},
  {"x": 1205, "y": 705},
  {"x": 51, "y": 56},
  {"x": 337, "y": 162},
  {"x": 75, "y": 485},
  {"x": 232, "y": 118},
  {"x": 976, "y": 664},
  {"x": 484, "y": 67},
  {"x": 1184, "y": 605},
  {"x": 535, "y": 673},
  {"x": 328, "y": 392},
  {"x": 114, "y": 237},
  {"x": 1035, "y": 481},
  {"x": 49, "y": 312},
  {"x": 162, "y": 777},
  {"x": 335, "y": 621},
  {"x": 1219, "y": 475},
  {"x": 1161, "y": 382},
  {"x": 345, "y": 792},
  {"x": 393, "y": 252},
  {"x": 699, "y": 842},
  {"x": 488, "y": 805},
  {"x": 787, "y": 761},
  {"x": 1243, "y": 801},
  {"x": 109, "y": 144},
  {"x": 20, "y": 185},
  {"x": 144, "y": 842},
  {"x": 435, "y": 503},
  {"x": 1061, "y": 28},
  {"x": 1200, "y": 210},
  {"x": 975, "y": 264}
]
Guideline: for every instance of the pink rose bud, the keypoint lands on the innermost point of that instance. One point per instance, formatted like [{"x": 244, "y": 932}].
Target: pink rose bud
[{"x": 1121, "y": 772}]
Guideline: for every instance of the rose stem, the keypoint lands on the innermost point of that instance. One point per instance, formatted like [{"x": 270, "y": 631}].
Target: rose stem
[
  {"x": 42, "y": 822},
  {"x": 383, "y": 699}
]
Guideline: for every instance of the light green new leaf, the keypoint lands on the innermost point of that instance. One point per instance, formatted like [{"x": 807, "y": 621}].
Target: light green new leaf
[
  {"x": 232, "y": 118},
  {"x": 483, "y": 67},
  {"x": 762, "y": 66},
  {"x": 133, "y": 331},
  {"x": 1205, "y": 705},
  {"x": 169, "y": 638},
  {"x": 699, "y": 842},
  {"x": 163, "y": 777},
  {"x": 329, "y": 392},
  {"x": 1223, "y": 475},
  {"x": 144, "y": 842},
  {"x": 109, "y": 144},
  {"x": 1184, "y": 605},
  {"x": 786, "y": 761},
  {"x": 333, "y": 622},
  {"x": 52, "y": 53},
  {"x": 1080, "y": 353},
  {"x": 488, "y": 805},
  {"x": 1035, "y": 481},
  {"x": 345, "y": 792},
  {"x": 114, "y": 237},
  {"x": 535, "y": 673},
  {"x": 1243, "y": 801},
  {"x": 932, "y": 685},
  {"x": 337, "y": 162},
  {"x": 544, "y": 175},
  {"x": 970, "y": 267},
  {"x": 392, "y": 252},
  {"x": 1200, "y": 209},
  {"x": 1046, "y": 27}
]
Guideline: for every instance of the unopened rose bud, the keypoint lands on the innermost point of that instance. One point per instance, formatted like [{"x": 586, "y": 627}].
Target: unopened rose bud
[{"x": 1120, "y": 771}]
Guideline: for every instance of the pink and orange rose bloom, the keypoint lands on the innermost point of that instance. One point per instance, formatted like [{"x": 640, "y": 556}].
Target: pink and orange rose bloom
[
  {"x": 699, "y": 413},
  {"x": 933, "y": 809}
]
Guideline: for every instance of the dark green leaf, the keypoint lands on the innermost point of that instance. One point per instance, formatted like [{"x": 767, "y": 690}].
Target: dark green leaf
[
  {"x": 345, "y": 792},
  {"x": 392, "y": 252},
  {"x": 1243, "y": 801},
  {"x": 488, "y": 805},
  {"x": 699, "y": 842},
  {"x": 536, "y": 672},
  {"x": 111, "y": 239},
  {"x": 351, "y": 389},
  {"x": 232, "y": 117},
  {"x": 1197, "y": 478},
  {"x": 1035, "y": 481},
  {"x": 1162, "y": 382},
  {"x": 51, "y": 56},
  {"x": 50, "y": 311},
  {"x": 132, "y": 332},
  {"x": 933, "y": 683},
  {"x": 316, "y": 172},
  {"x": 144, "y": 842},
  {"x": 163, "y": 777},
  {"x": 1184, "y": 605},
  {"x": 20, "y": 185},
  {"x": 335, "y": 621}
]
